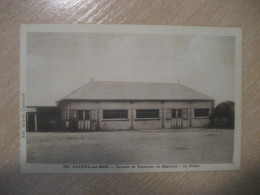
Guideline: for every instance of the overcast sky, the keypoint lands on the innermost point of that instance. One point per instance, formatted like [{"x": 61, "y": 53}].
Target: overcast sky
[{"x": 58, "y": 63}]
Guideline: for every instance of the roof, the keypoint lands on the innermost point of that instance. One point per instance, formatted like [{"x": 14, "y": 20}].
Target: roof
[{"x": 114, "y": 90}]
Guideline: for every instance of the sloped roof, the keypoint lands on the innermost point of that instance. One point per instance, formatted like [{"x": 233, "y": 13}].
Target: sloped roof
[{"x": 113, "y": 90}]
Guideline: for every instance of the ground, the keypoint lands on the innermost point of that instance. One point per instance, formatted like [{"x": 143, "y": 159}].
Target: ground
[{"x": 132, "y": 147}]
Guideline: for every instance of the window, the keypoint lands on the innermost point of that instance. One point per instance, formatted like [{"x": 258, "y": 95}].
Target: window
[
  {"x": 115, "y": 114},
  {"x": 81, "y": 114},
  {"x": 87, "y": 115},
  {"x": 148, "y": 113},
  {"x": 71, "y": 116},
  {"x": 67, "y": 114},
  {"x": 74, "y": 114},
  {"x": 201, "y": 112},
  {"x": 176, "y": 113}
]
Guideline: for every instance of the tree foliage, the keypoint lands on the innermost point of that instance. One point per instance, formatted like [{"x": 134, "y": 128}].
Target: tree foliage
[{"x": 224, "y": 115}]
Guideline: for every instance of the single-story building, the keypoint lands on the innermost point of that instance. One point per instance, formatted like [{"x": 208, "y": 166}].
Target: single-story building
[{"x": 109, "y": 105}]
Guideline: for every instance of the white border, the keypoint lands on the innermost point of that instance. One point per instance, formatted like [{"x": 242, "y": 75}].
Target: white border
[{"x": 137, "y": 29}]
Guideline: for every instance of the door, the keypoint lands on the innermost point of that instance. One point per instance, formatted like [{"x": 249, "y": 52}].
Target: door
[
  {"x": 30, "y": 122},
  {"x": 177, "y": 118},
  {"x": 83, "y": 119}
]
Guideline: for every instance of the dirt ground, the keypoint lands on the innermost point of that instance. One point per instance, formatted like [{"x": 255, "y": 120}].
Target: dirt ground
[{"x": 202, "y": 146}]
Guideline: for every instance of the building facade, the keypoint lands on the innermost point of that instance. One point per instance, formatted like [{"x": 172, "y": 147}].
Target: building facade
[
  {"x": 101, "y": 105},
  {"x": 42, "y": 118}
]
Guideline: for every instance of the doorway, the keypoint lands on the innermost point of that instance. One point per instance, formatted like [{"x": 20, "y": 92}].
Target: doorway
[
  {"x": 177, "y": 118},
  {"x": 83, "y": 120},
  {"x": 31, "y": 124}
]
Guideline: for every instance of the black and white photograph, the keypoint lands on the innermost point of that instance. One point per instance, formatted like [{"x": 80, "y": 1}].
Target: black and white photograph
[{"x": 130, "y": 98}]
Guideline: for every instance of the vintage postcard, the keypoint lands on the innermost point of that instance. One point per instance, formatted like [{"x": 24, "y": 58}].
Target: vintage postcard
[{"x": 129, "y": 98}]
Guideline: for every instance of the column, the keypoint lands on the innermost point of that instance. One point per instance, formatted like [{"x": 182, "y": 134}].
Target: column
[
  {"x": 83, "y": 121},
  {"x": 162, "y": 116},
  {"x": 35, "y": 122},
  {"x": 132, "y": 119},
  {"x": 190, "y": 114},
  {"x": 27, "y": 121},
  {"x": 131, "y": 115}
]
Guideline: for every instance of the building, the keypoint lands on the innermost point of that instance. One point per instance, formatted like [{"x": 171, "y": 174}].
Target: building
[
  {"x": 107, "y": 105},
  {"x": 42, "y": 118}
]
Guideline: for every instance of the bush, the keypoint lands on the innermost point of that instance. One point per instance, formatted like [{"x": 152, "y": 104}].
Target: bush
[{"x": 224, "y": 115}]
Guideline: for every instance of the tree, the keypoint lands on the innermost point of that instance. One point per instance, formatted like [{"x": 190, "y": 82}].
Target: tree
[{"x": 224, "y": 115}]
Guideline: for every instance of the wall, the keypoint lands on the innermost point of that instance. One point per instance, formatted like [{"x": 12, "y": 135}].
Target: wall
[
  {"x": 145, "y": 124},
  {"x": 176, "y": 105},
  {"x": 142, "y": 124},
  {"x": 201, "y": 122}
]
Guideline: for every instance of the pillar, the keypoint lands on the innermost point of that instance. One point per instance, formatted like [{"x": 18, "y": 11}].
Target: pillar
[
  {"x": 162, "y": 116},
  {"x": 35, "y": 122},
  {"x": 190, "y": 114},
  {"x": 132, "y": 119},
  {"x": 132, "y": 115}
]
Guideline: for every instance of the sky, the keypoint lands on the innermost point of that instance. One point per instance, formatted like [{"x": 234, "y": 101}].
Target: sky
[{"x": 58, "y": 63}]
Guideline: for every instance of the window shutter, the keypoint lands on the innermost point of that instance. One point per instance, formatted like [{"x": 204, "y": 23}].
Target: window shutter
[
  {"x": 168, "y": 114},
  {"x": 92, "y": 115},
  {"x": 75, "y": 114},
  {"x": 185, "y": 113},
  {"x": 63, "y": 118},
  {"x": 67, "y": 114},
  {"x": 70, "y": 114}
]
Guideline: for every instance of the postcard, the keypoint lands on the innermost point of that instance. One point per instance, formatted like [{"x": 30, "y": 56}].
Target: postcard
[{"x": 129, "y": 98}]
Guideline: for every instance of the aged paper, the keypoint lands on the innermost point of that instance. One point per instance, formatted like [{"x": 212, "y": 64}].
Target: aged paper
[{"x": 130, "y": 98}]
